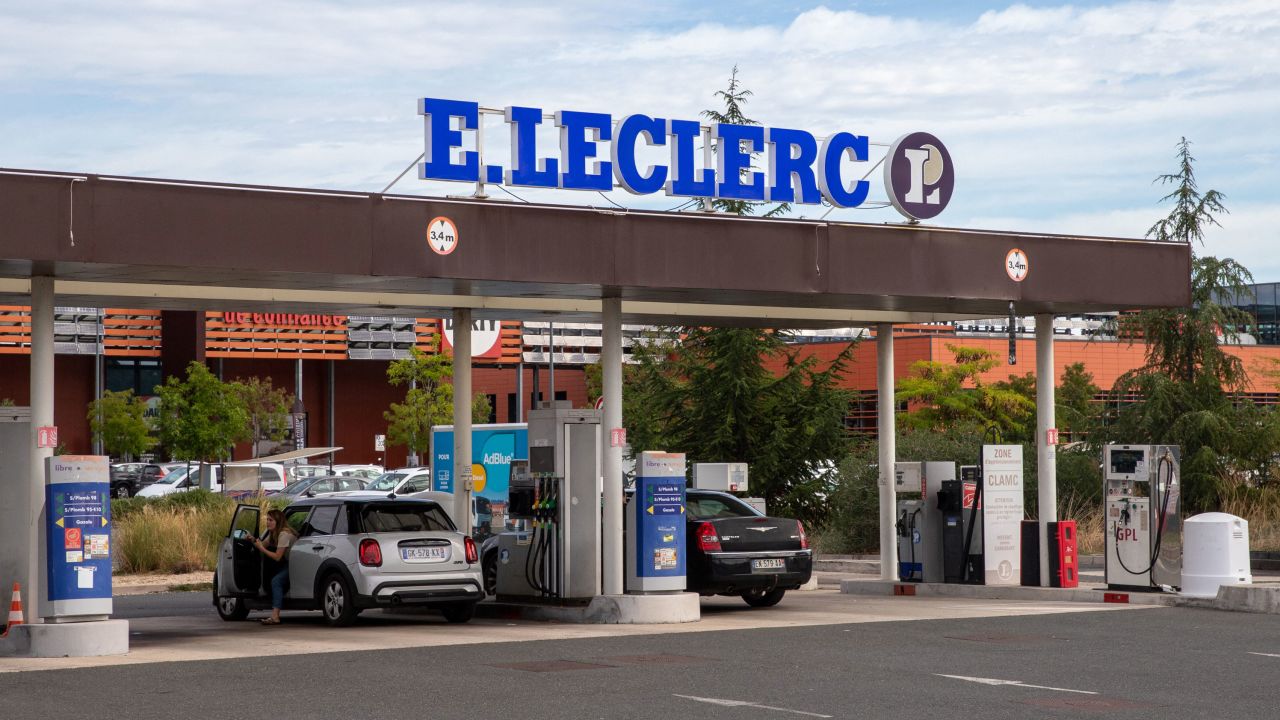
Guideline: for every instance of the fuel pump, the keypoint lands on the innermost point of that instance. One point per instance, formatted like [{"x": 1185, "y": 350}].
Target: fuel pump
[
  {"x": 921, "y": 525},
  {"x": 558, "y": 558},
  {"x": 1141, "y": 484}
]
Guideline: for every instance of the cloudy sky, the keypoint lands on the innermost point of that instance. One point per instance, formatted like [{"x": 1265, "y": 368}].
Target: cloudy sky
[{"x": 1057, "y": 116}]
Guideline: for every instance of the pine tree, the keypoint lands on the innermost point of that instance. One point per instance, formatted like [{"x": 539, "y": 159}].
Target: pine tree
[
  {"x": 734, "y": 97},
  {"x": 1188, "y": 384}
]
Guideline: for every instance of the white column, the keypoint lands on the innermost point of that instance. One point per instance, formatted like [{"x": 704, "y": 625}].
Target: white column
[
  {"x": 611, "y": 376},
  {"x": 33, "y": 589},
  {"x": 1046, "y": 456},
  {"x": 462, "y": 418},
  {"x": 886, "y": 428}
]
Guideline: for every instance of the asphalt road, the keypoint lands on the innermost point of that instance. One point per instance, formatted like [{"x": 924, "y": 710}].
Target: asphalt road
[
  {"x": 1158, "y": 663},
  {"x": 176, "y": 604}
]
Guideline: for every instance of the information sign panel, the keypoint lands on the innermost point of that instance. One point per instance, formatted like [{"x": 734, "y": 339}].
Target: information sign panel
[
  {"x": 77, "y": 536},
  {"x": 1002, "y": 514}
]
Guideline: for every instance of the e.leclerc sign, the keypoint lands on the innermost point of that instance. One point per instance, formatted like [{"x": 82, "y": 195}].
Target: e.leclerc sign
[{"x": 918, "y": 174}]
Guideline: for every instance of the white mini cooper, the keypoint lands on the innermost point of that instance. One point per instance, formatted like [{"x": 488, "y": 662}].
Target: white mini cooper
[{"x": 352, "y": 554}]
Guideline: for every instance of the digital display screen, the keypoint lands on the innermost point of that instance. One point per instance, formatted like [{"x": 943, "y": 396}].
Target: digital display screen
[
  {"x": 1126, "y": 461},
  {"x": 542, "y": 460}
]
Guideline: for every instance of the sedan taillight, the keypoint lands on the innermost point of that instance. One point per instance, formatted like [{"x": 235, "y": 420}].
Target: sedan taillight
[
  {"x": 804, "y": 539},
  {"x": 370, "y": 553},
  {"x": 708, "y": 538},
  {"x": 473, "y": 555}
]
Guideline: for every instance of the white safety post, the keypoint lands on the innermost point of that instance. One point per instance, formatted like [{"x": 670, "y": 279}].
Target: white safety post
[
  {"x": 41, "y": 416},
  {"x": 886, "y": 428},
  {"x": 1046, "y": 455},
  {"x": 611, "y": 376},
  {"x": 462, "y": 419}
]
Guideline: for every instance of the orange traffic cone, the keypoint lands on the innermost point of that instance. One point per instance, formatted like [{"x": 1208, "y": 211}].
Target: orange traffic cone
[{"x": 15, "y": 609}]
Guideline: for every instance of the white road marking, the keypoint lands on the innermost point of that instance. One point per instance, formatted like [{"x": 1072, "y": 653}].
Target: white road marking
[
  {"x": 1017, "y": 683},
  {"x": 746, "y": 703},
  {"x": 1265, "y": 654}
]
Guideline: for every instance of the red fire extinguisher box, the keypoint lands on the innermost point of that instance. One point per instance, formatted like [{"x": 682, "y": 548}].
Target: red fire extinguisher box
[{"x": 1064, "y": 554}]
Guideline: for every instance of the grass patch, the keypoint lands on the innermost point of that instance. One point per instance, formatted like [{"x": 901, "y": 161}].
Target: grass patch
[{"x": 192, "y": 587}]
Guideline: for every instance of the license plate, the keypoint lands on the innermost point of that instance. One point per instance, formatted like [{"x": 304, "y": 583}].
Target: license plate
[
  {"x": 768, "y": 564},
  {"x": 424, "y": 553}
]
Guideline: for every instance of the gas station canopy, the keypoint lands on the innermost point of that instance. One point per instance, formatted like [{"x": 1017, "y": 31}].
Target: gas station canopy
[{"x": 189, "y": 245}]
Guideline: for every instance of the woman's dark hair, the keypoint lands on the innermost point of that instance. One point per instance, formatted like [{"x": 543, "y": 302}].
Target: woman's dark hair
[{"x": 282, "y": 525}]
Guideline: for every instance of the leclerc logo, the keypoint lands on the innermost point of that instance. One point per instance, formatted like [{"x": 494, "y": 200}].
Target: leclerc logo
[{"x": 918, "y": 176}]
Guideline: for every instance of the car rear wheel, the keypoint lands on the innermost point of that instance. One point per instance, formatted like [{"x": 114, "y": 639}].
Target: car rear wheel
[
  {"x": 122, "y": 491},
  {"x": 763, "y": 598},
  {"x": 337, "y": 601},
  {"x": 231, "y": 609},
  {"x": 489, "y": 572},
  {"x": 459, "y": 612}
]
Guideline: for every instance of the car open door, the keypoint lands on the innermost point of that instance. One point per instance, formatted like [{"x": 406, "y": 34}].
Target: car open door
[{"x": 239, "y": 564}]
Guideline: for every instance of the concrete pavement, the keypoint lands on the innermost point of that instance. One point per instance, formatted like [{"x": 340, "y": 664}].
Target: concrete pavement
[
  {"x": 1148, "y": 663},
  {"x": 196, "y": 633}
]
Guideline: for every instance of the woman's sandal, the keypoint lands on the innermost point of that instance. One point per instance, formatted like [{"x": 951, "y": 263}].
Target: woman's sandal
[{"x": 269, "y": 621}]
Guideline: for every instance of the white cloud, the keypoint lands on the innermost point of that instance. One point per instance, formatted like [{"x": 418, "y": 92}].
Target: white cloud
[{"x": 1051, "y": 113}]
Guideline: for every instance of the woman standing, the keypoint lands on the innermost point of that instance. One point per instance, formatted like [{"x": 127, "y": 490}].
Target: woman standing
[{"x": 279, "y": 538}]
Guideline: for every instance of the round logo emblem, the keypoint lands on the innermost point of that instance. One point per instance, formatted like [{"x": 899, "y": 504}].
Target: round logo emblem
[
  {"x": 485, "y": 337},
  {"x": 479, "y": 478},
  {"x": 919, "y": 176},
  {"x": 442, "y": 235},
  {"x": 1017, "y": 265}
]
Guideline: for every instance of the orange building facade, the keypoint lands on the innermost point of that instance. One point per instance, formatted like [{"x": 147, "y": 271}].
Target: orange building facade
[{"x": 1106, "y": 360}]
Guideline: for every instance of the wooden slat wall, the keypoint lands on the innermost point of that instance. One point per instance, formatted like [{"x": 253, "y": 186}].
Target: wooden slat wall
[
  {"x": 289, "y": 340},
  {"x": 15, "y": 330},
  {"x": 131, "y": 333},
  {"x": 126, "y": 332}
]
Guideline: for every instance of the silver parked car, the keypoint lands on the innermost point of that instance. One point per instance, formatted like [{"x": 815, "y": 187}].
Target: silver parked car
[{"x": 353, "y": 553}]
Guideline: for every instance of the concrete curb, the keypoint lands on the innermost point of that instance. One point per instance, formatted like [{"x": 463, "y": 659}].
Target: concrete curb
[
  {"x": 1002, "y": 592},
  {"x": 141, "y": 590},
  {"x": 1239, "y": 598},
  {"x": 54, "y": 640},
  {"x": 870, "y": 565},
  {"x": 604, "y": 610}
]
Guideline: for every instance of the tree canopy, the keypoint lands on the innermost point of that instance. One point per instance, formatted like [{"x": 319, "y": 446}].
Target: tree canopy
[
  {"x": 1189, "y": 384},
  {"x": 942, "y": 394},
  {"x": 118, "y": 420},
  {"x": 711, "y": 396},
  {"x": 428, "y": 400},
  {"x": 201, "y": 417},
  {"x": 267, "y": 408}
]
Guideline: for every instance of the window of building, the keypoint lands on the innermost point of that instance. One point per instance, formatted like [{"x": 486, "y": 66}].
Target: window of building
[{"x": 140, "y": 376}]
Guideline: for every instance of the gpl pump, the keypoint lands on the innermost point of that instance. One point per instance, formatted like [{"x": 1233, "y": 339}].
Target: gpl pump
[{"x": 1141, "y": 484}]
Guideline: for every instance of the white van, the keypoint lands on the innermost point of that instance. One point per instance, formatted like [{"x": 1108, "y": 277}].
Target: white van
[{"x": 244, "y": 477}]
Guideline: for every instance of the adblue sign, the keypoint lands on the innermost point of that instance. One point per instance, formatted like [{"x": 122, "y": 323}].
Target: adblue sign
[{"x": 918, "y": 174}]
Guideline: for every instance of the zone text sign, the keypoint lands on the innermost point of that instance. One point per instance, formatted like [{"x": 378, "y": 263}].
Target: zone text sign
[
  {"x": 1002, "y": 513},
  {"x": 800, "y": 168}
]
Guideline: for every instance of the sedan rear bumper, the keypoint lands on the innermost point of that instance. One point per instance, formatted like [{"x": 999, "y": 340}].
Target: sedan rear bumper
[{"x": 732, "y": 572}]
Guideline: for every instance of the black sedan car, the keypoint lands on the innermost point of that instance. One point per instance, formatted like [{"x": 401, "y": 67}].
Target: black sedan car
[
  {"x": 730, "y": 550},
  {"x": 128, "y": 478},
  {"x": 733, "y": 550}
]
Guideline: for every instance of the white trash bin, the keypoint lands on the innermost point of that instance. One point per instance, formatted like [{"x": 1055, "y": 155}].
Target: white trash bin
[{"x": 1215, "y": 552}]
